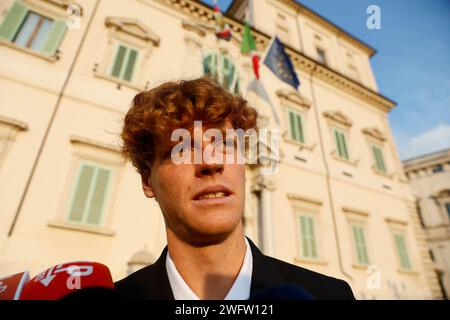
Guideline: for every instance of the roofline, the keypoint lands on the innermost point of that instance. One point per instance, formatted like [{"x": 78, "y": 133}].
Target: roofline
[
  {"x": 302, "y": 8},
  {"x": 427, "y": 156}
]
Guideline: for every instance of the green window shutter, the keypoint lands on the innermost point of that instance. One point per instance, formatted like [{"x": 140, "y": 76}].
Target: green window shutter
[
  {"x": 312, "y": 238},
  {"x": 295, "y": 122},
  {"x": 130, "y": 65},
  {"x": 375, "y": 156},
  {"x": 207, "y": 65},
  {"x": 13, "y": 20},
  {"x": 55, "y": 37},
  {"x": 379, "y": 159},
  {"x": 118, "y": 61},
  {"x": 402, "y": 252},
  {"x": 98, "y": 196},
  {"x": 338, "y": 143},
  {"x": 304, "y": 237},
  {"x": 300, "y": 128},
  {"x": 308, "y": 237},
  {"x": 293, "y": 126},
  {"x": 365, "y": 258},
  {"x": 360, "y": 245},
  {"x": 344, "y": 145},
  {"x": 80, "y": 197},
  {"x": 357, "y": 243}
]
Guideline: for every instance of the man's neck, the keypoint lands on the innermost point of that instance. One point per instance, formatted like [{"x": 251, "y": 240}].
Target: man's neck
[{"x": 209, "y": 270}]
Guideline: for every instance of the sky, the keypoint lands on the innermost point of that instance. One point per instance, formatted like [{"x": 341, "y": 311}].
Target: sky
[{"x": 411, "y": 66}]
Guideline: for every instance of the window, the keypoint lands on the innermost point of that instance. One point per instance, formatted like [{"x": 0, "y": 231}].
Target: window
[
  {"x": 124, "y": 63},
  {"x": 296, "y": 126},
  {"x": 321, "y": 56},
  {"x": 378, "y": 157},
  {"x": 438, "y": 168},
  {"x": 89, "y": 194},
  {"x": 220, "y": 68},
  {"x": 308, "y": 247},
  {"x": 31, "y": 30},
  {"x": 360, "y": 245},
  {"x": 402, "y": 251},
  {"x": 341, "y": 143},
  {"x": 353, "y": 72}
]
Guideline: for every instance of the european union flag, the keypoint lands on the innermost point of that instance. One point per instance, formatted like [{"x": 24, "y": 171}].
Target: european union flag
[{"x": 278, "y": 61}]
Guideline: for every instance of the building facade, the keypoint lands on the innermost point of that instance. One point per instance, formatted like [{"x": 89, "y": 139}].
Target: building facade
[
  {"x": 430, "y": 181},
  {"x": 339, "y": 203}
]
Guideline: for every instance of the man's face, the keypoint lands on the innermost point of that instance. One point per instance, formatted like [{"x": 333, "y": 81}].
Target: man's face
[{"x": 200, "y": 202}]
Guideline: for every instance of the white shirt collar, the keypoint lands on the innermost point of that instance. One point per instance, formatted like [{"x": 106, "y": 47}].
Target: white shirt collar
[{"x": 239, "y": 291}]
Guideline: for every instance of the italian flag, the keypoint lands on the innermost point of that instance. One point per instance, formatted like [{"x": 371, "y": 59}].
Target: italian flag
[{"x": 248, "y": 46}]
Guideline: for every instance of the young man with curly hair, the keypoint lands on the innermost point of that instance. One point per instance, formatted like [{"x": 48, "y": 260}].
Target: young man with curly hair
[{"x": 207, "y": 254}]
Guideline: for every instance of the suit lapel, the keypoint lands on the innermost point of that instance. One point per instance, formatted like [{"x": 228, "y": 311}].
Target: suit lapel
[{"x": 264, "y": 274}]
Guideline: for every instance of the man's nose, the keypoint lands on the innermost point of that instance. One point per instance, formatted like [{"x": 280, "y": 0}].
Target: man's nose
[{"x": 208, "y": 169}]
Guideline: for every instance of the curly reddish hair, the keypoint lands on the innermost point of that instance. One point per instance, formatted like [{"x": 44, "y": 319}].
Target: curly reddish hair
[{"x": 155, "y": 113}]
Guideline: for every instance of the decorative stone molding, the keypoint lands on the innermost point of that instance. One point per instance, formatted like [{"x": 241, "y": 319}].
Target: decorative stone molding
[
  {"x": 297, "y": 197},
  {"x": 56, "y": 8},
  {"x": 396, "y": 221},
  {"x": 97, "y": 144},
  {"x": 339, "y": 117},
  {"x": 359, "y": 212},
  {"x": 196, "y": 27},
  {"x": 374, "y": 133},
  {"x": 133, "y": 27},
  {"x": 13, "y": 123},
  {"x": 293, "y": 97}
]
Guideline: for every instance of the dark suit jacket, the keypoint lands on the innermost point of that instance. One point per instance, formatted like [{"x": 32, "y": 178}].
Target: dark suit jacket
[{"x": 152, "y": 281}]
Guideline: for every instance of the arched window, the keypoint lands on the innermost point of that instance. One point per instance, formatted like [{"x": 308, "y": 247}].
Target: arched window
[{"x": 220, "y": 68}]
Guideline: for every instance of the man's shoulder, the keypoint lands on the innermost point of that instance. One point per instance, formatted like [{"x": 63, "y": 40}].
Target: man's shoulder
[
  {"x": 133, "y": 285},
  {"x": 319, "y": 285},
  {"x": 150, "y": 282}
]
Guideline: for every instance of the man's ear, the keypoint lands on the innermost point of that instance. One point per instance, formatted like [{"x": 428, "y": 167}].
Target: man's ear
[{"x": 147, "y": 187}]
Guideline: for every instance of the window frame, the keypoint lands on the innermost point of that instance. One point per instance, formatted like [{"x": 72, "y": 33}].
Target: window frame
[
  {"x": 125, "y": 62},
  {"x": 301, "y": 115},
  {"x": 93, "y": 182},
  {"x": 310, "y": 218},
  {"x": 344, "y": 133},
  {"x": 373, "y": 146},
  {"x": 321, "y": 58},
  {"x": 396, "y": 234},
  {"x": 356, "y": 252},
  {"x": 49, "y": 49}
]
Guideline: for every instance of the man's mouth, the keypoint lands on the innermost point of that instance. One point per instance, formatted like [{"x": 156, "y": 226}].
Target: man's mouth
[
  {"x": 213, "y": 195},
  {"x": 213, "y": 192}
]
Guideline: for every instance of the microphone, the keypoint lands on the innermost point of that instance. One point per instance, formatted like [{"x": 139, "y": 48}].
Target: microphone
[
  {"x": 284, "y": 291},
  {"x": 74, "y": 280},
  {"x": 11, "y": 286}
]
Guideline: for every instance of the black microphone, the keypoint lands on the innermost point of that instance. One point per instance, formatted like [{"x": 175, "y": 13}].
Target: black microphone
[{"x": 283, "y": 291}]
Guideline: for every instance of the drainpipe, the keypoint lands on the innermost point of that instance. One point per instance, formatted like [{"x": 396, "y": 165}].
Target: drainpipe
[{"x": 328, "y": 178}]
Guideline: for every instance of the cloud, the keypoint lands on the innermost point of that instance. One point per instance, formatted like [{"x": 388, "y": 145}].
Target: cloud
[{"x": 437, "y": 138}]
